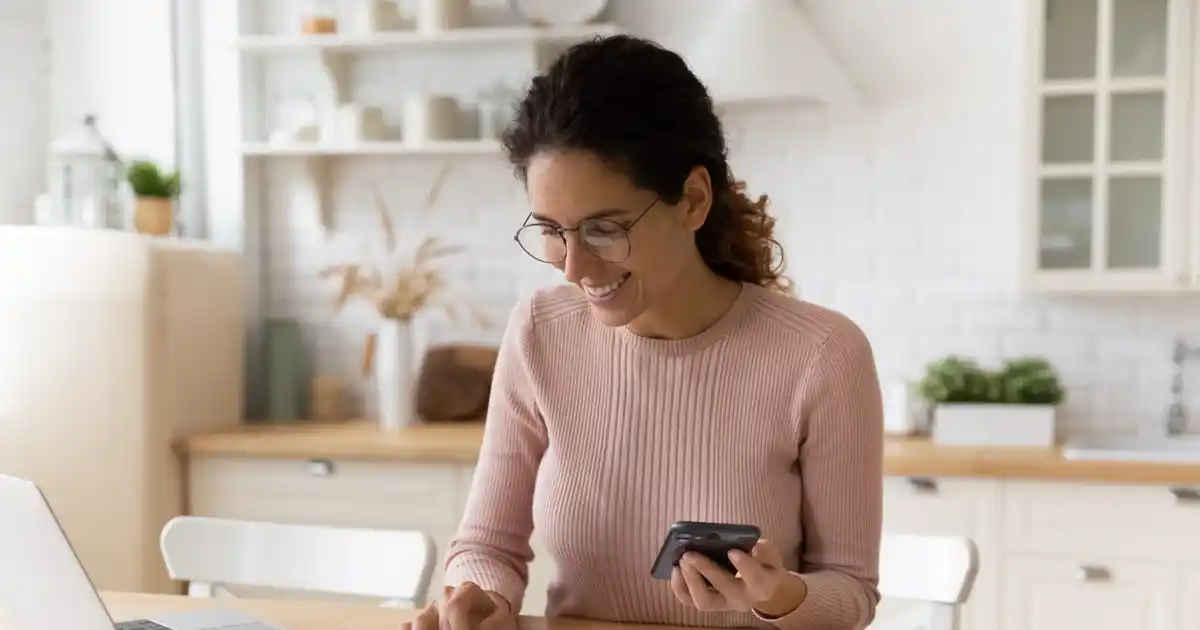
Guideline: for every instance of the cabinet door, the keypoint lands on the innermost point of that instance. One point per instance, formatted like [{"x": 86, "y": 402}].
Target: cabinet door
[
  {"x": 1190, "y": 590},
  {"x": 391, "y": 495},
  {"x": 1055, "y": 593},
  {"x": 1106, "y": 207},
  {"x": 948, "y": 507}
]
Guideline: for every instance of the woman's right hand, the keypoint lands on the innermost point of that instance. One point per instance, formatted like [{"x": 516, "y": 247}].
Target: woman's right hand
[{"x": 467, "y": 607}]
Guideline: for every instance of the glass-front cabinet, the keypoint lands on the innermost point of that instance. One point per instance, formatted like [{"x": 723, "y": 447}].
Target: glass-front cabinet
[{"x": 1107, "y": 204}]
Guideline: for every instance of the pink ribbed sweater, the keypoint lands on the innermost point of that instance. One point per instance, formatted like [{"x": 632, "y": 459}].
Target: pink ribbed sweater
[{"x": 600, "y": 439}]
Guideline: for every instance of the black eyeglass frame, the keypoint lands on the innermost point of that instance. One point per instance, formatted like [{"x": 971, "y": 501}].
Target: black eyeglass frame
[{"x": 562, "y": 234}]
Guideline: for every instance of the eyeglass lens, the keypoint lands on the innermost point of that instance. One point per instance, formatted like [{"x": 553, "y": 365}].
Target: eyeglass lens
[{"x": 606, "y": 239}]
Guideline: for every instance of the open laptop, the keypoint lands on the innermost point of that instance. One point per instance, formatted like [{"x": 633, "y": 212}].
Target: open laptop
[{"x": 44, "y": 585}]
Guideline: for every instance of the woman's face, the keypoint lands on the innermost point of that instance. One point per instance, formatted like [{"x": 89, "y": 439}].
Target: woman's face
[{"x": 621, "y": 273}]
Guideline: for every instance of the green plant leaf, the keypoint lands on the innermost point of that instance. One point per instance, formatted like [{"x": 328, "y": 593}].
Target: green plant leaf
[
  {"x": 148, "y": 180},
  {"x": 1024, "y": 380}
]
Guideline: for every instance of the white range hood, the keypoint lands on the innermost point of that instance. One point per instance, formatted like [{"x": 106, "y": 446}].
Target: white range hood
[{"x": 766, "y": 50}]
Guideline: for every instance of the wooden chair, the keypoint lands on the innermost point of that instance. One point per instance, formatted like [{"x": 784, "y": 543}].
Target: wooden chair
[
  {"x": 214, "y": 553},
  {"x": 935, "y": 571}
]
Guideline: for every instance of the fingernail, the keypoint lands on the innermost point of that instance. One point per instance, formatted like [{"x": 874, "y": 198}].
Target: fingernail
[{"x": 736, "y": 555}]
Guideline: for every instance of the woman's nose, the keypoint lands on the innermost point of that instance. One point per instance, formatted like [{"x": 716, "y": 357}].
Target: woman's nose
[{"x": 579, "y": 261}]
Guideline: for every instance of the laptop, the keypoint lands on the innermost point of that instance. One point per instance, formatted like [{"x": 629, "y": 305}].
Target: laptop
[{"x": 44, "y": 585}]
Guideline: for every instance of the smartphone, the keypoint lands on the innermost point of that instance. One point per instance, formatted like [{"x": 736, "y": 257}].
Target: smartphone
[{"x": 714, "y": 540}]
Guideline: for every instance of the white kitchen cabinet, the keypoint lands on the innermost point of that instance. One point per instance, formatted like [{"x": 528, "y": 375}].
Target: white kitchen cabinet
[
  {"x": 1107, "y": 205},
  {"x": 1190, "y": 597},
  {"x": 1053, "y": 555},
  {"x": 425, "y": 496},
  {"x": 1098, "y": 556},
  {"x": 1091, "y": 591},
  {"x": 950, "y": 507}
]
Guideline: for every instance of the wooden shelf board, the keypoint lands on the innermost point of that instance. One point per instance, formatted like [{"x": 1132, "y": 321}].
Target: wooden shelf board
[{"x": 402, "y": 39}]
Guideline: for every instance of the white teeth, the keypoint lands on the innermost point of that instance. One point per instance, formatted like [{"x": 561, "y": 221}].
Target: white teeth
[{"x": 604, "y": 290}]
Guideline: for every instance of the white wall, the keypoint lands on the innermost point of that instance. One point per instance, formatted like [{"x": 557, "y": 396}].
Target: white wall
[
  {"x": 24, "y": 104},
  {"x": 68, "y": 58},
  {"x": 903, "y": 215},
  {"x": 113, "y": 58}
]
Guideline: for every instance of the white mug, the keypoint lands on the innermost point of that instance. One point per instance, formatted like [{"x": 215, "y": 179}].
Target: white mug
[{"x": 429, "y": 117}]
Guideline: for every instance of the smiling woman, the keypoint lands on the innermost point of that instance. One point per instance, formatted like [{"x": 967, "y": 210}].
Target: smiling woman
[{"x": 673, "y": 378}]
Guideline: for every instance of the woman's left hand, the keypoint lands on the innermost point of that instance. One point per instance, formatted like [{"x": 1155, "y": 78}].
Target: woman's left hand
[{"x": 762, "y": 583}]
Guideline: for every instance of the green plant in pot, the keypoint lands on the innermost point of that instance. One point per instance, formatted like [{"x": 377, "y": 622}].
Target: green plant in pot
[
  {"x": 155, "y": 190},
  {"x": 1013, "y": 405},
  {"x": 1028, "y": 381},
  {"x": 955, "y": 379}
]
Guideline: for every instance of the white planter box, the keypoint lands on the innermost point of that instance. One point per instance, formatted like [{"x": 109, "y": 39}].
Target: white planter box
[{"x": 994, "y": 425}]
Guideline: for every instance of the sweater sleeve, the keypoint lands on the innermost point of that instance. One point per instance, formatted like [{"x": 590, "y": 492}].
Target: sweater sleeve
[
  {"x": 491, "y": 547},
  {"x": 841, "y": 472}
]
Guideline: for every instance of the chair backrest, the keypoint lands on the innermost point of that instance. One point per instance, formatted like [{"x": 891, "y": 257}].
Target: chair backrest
[
  {"x": 936, "y": 570},
  {"x": 210, "y": 553}
]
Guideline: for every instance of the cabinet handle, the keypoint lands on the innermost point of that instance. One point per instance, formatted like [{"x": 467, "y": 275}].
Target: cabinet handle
[
  {"x": 1185, "y": 495},
  {"x": 1093, "y": 573},
  {"x": 923, "y": 484},
  {"x": 319, "y": 467}
]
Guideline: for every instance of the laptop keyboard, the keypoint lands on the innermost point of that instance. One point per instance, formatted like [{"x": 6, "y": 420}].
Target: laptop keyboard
[{"x": 139, "y": 624}]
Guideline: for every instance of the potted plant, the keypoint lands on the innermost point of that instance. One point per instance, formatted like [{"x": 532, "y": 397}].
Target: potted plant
[
  {"x": 155, "y": 190},
  {"x": 1015, "y": 405}
]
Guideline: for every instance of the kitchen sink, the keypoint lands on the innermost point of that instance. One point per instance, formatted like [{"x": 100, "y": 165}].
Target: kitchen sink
[{"x": 1165, "y": 449}]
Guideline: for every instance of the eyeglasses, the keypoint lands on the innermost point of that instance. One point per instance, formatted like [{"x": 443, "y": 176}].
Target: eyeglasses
[{"x": 605, "y": 238}]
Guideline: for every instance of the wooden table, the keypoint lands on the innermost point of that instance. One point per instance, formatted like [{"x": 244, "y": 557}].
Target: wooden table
[{"x": 316, "y": 615}]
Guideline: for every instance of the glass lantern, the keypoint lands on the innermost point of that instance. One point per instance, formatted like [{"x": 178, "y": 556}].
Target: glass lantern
[{"x": 85, "y": 178}]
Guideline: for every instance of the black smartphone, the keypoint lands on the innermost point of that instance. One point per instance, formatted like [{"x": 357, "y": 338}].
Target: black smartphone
[{"x": 714, "y": 540}]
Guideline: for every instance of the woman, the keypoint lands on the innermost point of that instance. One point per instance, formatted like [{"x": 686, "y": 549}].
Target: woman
[{"x": 673, "y": 379}]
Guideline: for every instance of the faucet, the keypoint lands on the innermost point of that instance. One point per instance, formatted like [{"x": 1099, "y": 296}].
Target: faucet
[{"x": 1177, "y": 414}]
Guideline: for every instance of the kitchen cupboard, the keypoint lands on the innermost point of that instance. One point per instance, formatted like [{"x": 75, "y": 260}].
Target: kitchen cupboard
[
  {"x": 1053, "y": 555},
  {"x": 429, "y": 497},
  {"x": 1110, "y": 150}
]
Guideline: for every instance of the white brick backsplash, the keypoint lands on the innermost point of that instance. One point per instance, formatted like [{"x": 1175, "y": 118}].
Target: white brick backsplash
[{"x": 903, "y": 214}]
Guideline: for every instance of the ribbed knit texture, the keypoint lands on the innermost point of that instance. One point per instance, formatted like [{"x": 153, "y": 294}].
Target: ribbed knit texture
[{"x": 603, "y": 439}]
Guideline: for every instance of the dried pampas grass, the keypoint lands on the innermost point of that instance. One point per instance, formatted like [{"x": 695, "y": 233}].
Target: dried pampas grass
[{"x": 413, "y": 287}]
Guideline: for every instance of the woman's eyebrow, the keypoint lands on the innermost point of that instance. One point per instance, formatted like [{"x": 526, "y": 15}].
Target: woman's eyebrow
[{"x": 599, "y": 214}]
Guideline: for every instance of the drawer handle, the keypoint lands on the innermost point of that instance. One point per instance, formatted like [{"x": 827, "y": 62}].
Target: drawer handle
[
  {"x": 319, "y": 467},
  {"x": 1185, "y": 495},
  {"x": 922, "y": 484},
  {"x": 1094, "y": 573}
]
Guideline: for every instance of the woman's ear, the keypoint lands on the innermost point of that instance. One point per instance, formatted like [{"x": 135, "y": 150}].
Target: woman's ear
[{"x": 697, "y": 198}]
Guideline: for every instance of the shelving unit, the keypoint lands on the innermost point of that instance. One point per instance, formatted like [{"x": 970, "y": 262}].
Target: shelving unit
[
  {"x": 335, "y": 60},
  {"x": 389, "y": 40},
  {"x": 256, "y": 64},
  {"x": 443, "y": 148}
]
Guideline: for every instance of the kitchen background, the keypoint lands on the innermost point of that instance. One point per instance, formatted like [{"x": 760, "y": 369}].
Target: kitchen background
[{"x": 904, "y": 212}]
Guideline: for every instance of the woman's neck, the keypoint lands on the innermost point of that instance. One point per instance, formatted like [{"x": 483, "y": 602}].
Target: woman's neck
[{"x": 695, "y": 301}]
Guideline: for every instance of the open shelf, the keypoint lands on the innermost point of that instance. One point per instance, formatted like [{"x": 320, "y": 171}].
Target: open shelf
[
  {"x": 319, "y": 149},
  {"x": 266, "y": 44}
]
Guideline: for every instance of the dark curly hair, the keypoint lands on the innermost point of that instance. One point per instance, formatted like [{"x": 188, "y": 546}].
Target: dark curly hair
[{"x": 638, "y": 107}]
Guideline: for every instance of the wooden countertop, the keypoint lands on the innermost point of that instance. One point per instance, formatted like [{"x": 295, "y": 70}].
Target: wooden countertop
[
  {"x": 459, "y": 443},
  {"x": 315, "y": 615},
  {"x": 358, "y": 439}
]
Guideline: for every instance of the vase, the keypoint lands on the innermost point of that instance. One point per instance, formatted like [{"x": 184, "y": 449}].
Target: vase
[
  {"x": 286, "y": 370},
  {"x": 395, "y": 370},
  {"x": 153, "y": 215}
]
